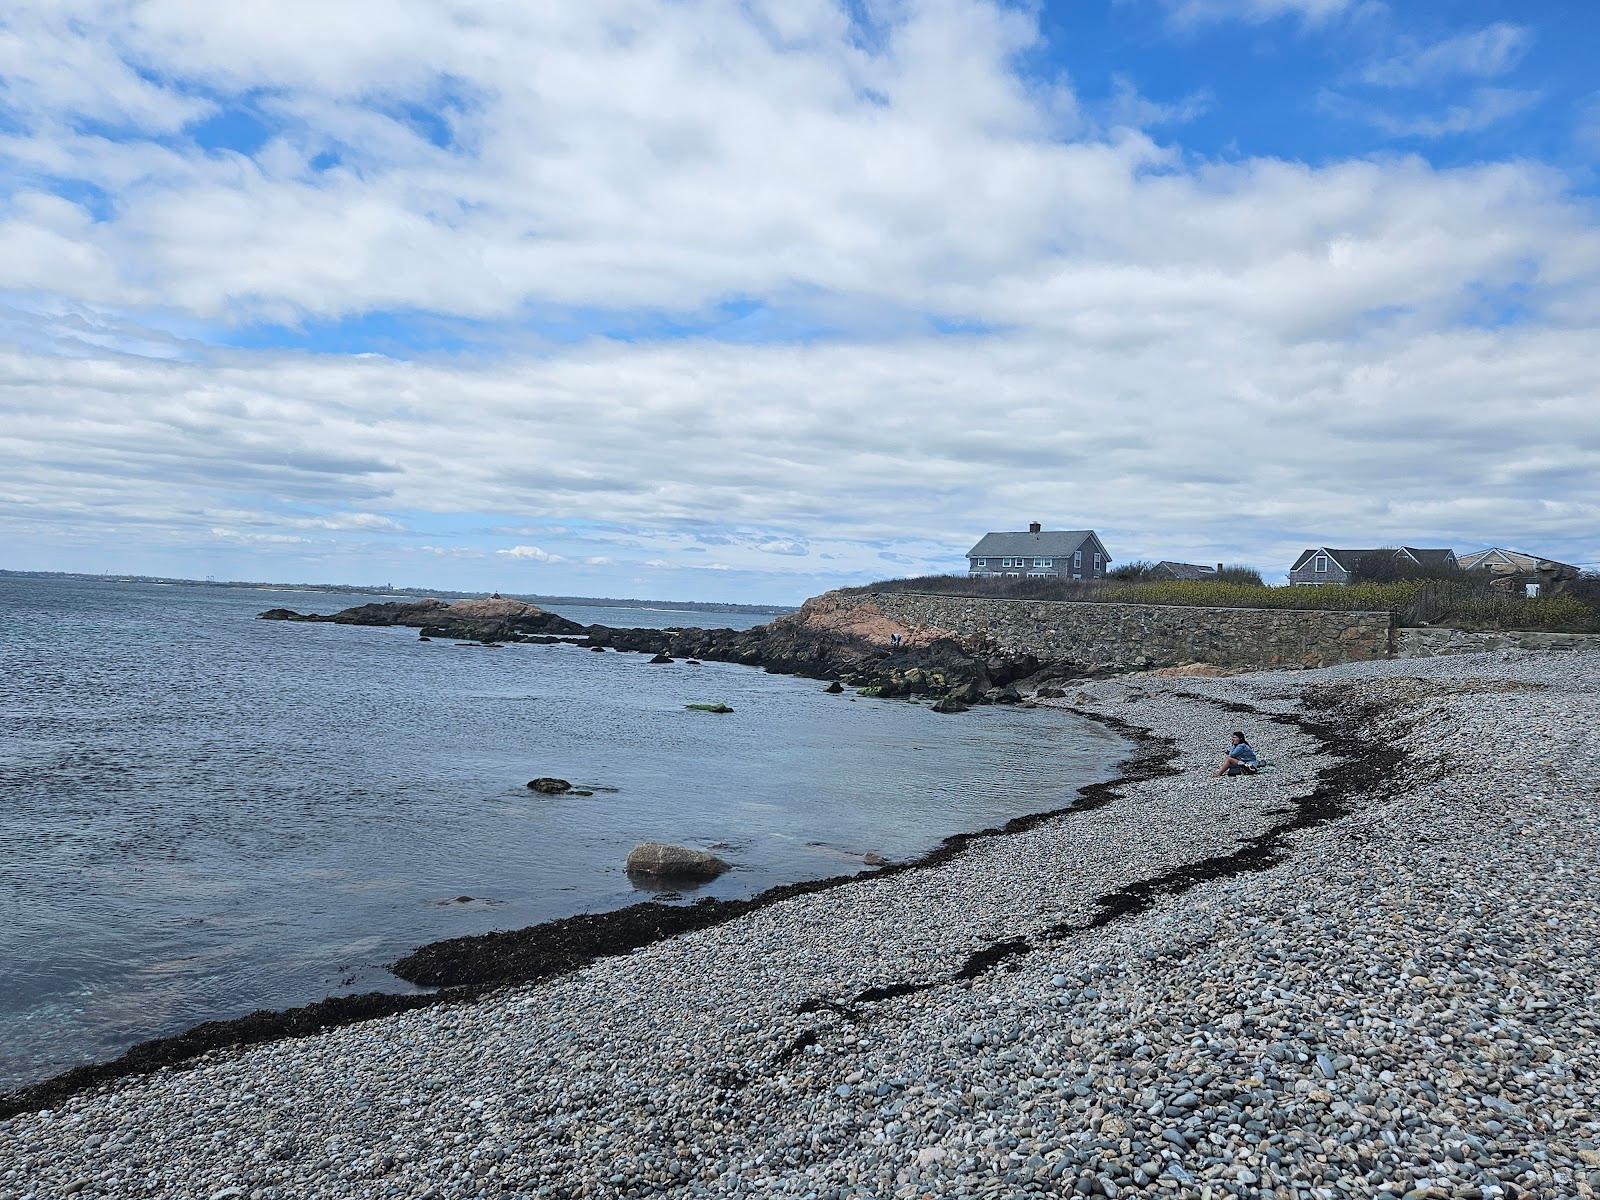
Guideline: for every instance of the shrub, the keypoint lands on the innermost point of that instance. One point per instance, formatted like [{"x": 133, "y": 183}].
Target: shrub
[
  {"x": 1390, "y": 566},
  {"x": 1240, "y": 574},
  {"x": 1131, "y": 572}
]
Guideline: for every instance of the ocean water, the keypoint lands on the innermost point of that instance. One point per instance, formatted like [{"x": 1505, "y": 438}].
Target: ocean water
[{"x": 203, "y": 814}]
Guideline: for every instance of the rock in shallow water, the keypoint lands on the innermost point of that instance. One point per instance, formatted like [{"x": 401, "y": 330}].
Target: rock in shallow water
[
  {"x": 549, "y": 785},
  {"x": 663, "y": 861}
]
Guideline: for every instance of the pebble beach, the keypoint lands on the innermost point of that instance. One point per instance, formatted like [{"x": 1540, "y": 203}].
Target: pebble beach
[{"x": 1368, "y": 971}]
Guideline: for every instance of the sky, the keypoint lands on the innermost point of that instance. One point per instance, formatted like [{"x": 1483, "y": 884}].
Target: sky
[{"x": 740, "y": 301}]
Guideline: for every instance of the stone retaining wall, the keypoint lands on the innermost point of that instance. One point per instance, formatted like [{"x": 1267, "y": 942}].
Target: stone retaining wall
[
  {"x": 1129, "y": 635},
  {"x": 1427, "y": 643}
]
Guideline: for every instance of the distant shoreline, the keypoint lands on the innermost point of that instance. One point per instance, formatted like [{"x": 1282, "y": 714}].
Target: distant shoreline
[{"x": 349, "y": 589}]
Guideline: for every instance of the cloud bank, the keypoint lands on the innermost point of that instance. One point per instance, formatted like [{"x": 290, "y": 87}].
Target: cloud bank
[{"x": 789, "y": 292}]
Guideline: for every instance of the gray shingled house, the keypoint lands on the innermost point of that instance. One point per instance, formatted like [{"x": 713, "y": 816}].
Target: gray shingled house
[
  {"x": 1041, "y": 554},
  {"x": 1322, "y": 564}
]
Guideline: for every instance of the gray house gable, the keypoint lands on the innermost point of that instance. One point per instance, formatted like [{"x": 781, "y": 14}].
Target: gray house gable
[
  {"x": 1340, "y": 564},
  {"x": 1345, "y": 560}
]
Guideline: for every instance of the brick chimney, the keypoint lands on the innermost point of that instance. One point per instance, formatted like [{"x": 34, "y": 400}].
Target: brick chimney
[{"x": 1033, "y": 527}]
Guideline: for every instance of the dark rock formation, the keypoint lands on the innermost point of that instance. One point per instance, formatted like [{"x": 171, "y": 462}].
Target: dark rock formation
[
  {"x": 803, "y": 644},
  {"x": 662, "y": 861},
  {"x": 549, "y": 786},
  {"x": 949, "y": 705},
  {"x": 478, "y": 620},
  {"x": 662, "y": 658}
]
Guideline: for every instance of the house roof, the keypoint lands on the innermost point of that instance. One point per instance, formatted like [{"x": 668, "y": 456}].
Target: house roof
[
  {"x": 1347, "y": 559},
  {"x": 1430, "y": 557},
  {"x": 1052, "y": 543},
  {"x": 1511, "y": 560},
  {"x": 1180, "y": 570}
]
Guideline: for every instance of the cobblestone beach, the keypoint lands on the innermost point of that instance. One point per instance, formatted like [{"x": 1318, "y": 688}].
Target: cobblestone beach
[{"x": 1368, "y": 971}]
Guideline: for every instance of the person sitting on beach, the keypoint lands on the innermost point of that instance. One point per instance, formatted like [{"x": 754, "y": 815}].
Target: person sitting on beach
[{"x": 1240, "y": 760}]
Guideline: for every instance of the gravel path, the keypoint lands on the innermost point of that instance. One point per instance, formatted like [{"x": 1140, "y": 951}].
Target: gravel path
[{"x": 1400, "y": 1002}]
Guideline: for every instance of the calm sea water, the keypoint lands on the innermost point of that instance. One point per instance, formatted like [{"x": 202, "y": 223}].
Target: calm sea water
[{"x": 202, "y": 814}]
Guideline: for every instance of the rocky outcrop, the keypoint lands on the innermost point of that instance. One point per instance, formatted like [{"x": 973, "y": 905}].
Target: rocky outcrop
[
  {"x": 549, "y": 786},
  {"x": 820, "y": 642},
  {"x": 490, "y": 620},
  {"x": 659, "y": 860}
]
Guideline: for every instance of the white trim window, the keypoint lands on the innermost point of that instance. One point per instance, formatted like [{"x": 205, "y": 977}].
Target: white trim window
[
  {"x": 1319, "y": 564},
  {"x": 1077, "y": 560},
  {"x": 982, "y": 562},
  {"x": 1097, "y": 560},
  {"x": 1078, "y": 576},
  {"x": 1044, "y": 562}
]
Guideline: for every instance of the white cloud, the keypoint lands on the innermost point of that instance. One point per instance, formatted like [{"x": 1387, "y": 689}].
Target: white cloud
[
  {"x": 257, "y": 539},
  {"x": 533, "y": 553},
  {"x": 1127, "y": 107},
  {"x": 1257, "y": 12},
  {"x": 361, "y": 520},
  {"x": 447, "y": 551},
  {"x": 1483, "y": 53},
  {"x": 1385, "y": 336},
  {"x": 1484, "y": 107}
]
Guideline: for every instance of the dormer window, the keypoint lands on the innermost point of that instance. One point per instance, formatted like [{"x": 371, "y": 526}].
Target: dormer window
[{"x": 1319, "y": 564}]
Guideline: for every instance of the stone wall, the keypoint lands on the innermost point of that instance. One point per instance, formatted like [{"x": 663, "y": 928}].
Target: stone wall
[
  {"x": 1116, "y": 635},
  {"x": 1426, "y": 643}
]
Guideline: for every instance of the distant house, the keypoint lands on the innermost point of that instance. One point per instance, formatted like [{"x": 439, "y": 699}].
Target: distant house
[
  {"x": 1185, "y": 571},
  {"x": 1322, "y": 564},
  {"x": 1040, "y": 553},
  {"x": 1515, "y": 570}
]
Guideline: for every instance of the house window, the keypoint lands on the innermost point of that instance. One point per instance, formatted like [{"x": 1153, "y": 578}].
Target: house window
[
  {"x": 981, "y": 562},
  {"x": 1077, "y": 559},
  {"x": 1044, "y": 562},
  {"x": 1078, "y": 575},
  {"x": 1319, "y": 564},
  {"x": 1097, "y": 560}
]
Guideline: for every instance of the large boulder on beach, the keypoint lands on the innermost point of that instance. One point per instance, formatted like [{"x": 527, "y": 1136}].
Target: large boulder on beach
[{"x": 660, "y": 860}]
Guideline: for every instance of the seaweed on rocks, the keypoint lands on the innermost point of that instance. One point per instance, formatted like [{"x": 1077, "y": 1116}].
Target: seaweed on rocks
[
  {"x": 186, "y": 1047},
  {"x": 1361, "y": 770}
]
